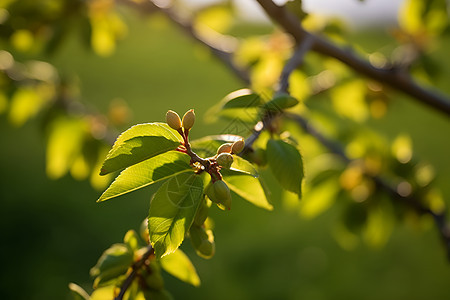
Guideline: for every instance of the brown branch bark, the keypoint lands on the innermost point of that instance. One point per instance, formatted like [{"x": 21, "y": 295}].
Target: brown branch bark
[
  {"x": 396, "y": 78},
  {"x": 136, "y": 266}
]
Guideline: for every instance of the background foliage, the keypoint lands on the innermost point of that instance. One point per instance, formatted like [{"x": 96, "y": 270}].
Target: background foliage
[{"x": 54, "y": 232}]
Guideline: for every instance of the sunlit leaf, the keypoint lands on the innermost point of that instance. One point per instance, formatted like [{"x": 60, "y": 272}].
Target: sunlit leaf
[
  {"x": 410, "y": 15},
  {"x": 216, "y": 17},
  {"x": 349, "y": 100},
  {"x": 243, "y": 166},
  {"x": 286, "y": 164},
  {"x": 402, "y": 148},
  {"x": 113, "y": 263},
  {"x": 22, "y": 40},
  {"x": 25, "y": 103},
  {"x": 249, "y": 188},
  {"x": 379, "y": 225},
  {"x": 299, "y": 86},
  {"x": 179, "y": 265},
  {"x": 319, "y": 198},
  {"x": 77, "y": 292},
  {"x": 106, "y": 30},
  {"x": 279, "y": 103},
  {"x": 133, "y": 241},
  {"x": 241, "y": 104},
  {"x": 148, "y": 172},
  {"x": 64, "y": 145},
  {"x": 172, "y": 211},
  {"x": 139, "y": 143},
  {"x": 103, "y": 293}
]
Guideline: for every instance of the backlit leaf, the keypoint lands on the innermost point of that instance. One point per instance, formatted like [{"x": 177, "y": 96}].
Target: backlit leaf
[
  {"x": 139, "y": 143},
  {"x": 179, "y": 265},
  {"x": 25, "y": 103},
  {"x": 172, "y": 211},
  {"x": 286, "y": 164},
  {"x": 148, "y": 172},
  {"x": 242, "y": 104},
  {"x": 349, "y": 100},
  {"x": 64, "y": 145},
  {"x": 249, "y": 188},
  {"x": 113, "y": 263},
  {"x": 280, "y": 102},
  {"x": 319, "y": 199}
]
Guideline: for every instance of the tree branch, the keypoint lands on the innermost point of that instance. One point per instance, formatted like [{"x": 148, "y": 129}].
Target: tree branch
[
  {"x": 411, "y": 200},
  {"x": 395, "y": 78},
  {"x": 136, "y": 266},
  {"x": 221, "y": 46}
]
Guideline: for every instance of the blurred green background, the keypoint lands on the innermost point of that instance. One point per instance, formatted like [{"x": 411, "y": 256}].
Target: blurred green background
[{"x": 53, "y": 231}]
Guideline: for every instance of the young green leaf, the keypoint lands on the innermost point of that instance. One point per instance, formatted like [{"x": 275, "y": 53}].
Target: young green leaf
[
  {"x": 132, "y": 240},
  {"x": 244, "y": 166},
  {"x": 179, "y": 265},
  {"x": 172, "y": 211},
  {"x": 148, "y": 172},
  {"x": 249, "y": 188},
  {"x": 241, "y": 104},
  {"x": 139, "y": 143},
  {"x": 113, "y": 263},
  {"x": 286, "y": 164},
  {"x": 280, "y": 102}
]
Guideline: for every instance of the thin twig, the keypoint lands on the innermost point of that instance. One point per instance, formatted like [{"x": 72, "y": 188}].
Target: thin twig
[
  {"x": 395, "y": 78},
  {"x": 136, "y": 266},
  {"x": 296, "y": 60},
  {"x": 221, "y": 46}
]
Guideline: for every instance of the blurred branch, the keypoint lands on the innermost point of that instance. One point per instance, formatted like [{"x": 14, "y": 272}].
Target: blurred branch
[
  {"x": 220, "y": 45},
  {"x": 136, "y": 266},
  {"x": 413, "y": 202},
  {"x": 396, "y": 78},
  {"x": 283, "y": 88}
]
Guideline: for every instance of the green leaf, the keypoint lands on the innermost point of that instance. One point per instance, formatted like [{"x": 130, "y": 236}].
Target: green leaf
[
  {"x": 249, "y": 188},
  {"x": 280, "y": 102},
  {"x": 172, "y": 211},
  {"x": 286, "y": 164},
  {"x": 243, "y": 166},
  {"x": 77, "y": 292},
  {"x": 148, "y": 172},
  {"x": 180, "y": 266},
  {"x": 139, "y": 143},
  {"x": 242, "y": 104},
  {"x": 241, "y": 99},
  {"x": 319, "y": 199},
  {"x": 113, "y": 263},
  {"x": 133, "y": 241}
]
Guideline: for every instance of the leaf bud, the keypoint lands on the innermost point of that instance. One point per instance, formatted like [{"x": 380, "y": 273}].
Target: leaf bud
[
  {"x": 188, "y": 119},
  {"x": 203, "y": 241},
  {"x": 225, "y": 160},
  {"x": 202, "y": 212},
  {"x": 173, "y": 120},
  {"x": 238, "y": 146},
  {"x": 224, "y": 148},
  {"x": 222, "y": 194}
]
